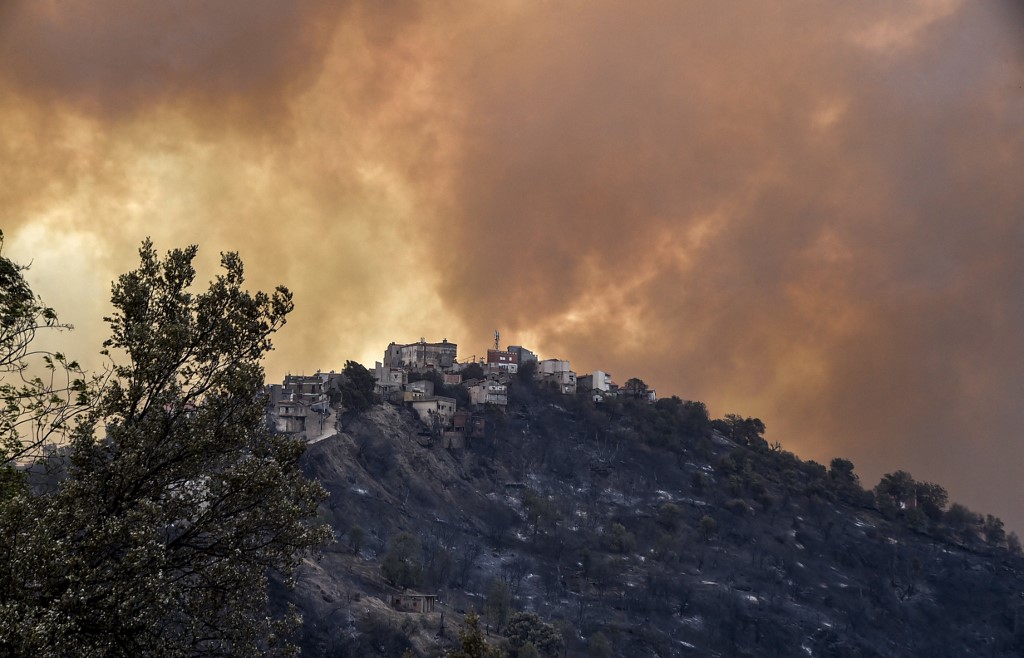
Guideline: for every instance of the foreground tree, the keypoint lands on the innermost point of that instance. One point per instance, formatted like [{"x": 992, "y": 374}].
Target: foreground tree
[
  {"x": 472, "y": 643},
  {"x": 41, "y": 392},
  {"x": 527, "y": 628},
  {"x": 178, "y": 504}
]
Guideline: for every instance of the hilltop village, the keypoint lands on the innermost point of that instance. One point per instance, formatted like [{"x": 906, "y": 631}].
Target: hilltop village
[
  {"x": 590, "y": 525},
  {"x": 417, "y": 375}
]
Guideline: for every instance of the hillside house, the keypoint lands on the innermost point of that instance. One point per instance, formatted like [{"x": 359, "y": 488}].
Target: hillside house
[
  {"x": 389, "y": 380},
  {"x": 638, "y": 391},
  {"x": 308, "y": 389},
  {"x": 523, "y": 355},
  {"x": 421, "y": 355},
  {"x": 502, "y": 360},
  {"x": 419, "y": 390},
  {"x": 557, "y": 371},
  {"x": 489, "y": 391},
  {"x": 468, "y": 424},
  {"x": 435, "y": 407},
  {"x": 595, "y": 381},
  {"x": 303, "y": 405}
]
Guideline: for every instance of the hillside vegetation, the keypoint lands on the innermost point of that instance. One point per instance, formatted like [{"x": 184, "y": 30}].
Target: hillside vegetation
[{"x": 632, "y": 529}]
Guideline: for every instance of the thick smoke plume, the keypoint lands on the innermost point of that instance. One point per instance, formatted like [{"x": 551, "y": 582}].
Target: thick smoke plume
[{"x": 810, "y": 213}]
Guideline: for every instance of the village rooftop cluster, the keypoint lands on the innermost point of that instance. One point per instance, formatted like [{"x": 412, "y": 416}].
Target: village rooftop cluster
[{"x": 310, "y": 405}]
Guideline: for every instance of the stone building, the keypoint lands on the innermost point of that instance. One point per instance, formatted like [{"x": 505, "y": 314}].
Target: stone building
[{"x": 421, "y": 355}]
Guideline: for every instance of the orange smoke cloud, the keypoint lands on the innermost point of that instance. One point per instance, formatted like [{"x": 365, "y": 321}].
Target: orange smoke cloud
[{"x": 807, "y": 212}]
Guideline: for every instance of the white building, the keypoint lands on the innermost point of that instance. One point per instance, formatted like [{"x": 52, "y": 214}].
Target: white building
[
  {"x": 558, "y": 372},
  {"x": 598, "y": 380}
]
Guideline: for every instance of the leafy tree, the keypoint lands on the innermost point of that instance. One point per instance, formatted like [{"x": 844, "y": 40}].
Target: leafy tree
[
  {"x": 499, "y": 603},
  {"x": 915, "y": 519},
  {"x": 993, "y": 529},
  {"x": 356, "y": 535},
  {"x": 846, "y": 483},
  {"x": 525, "y": 374},
  {"x": 539, "y": 510},
  {"x": 841, "y": 472},
  {"x": 472, "y": 643},
  {"x": 401, "y": 566},
  {"x": 635, "y": 387},
  {"x": 745, "y": 431},
  {"x": 472, "y": 371},
  {"x": 528, "y": 650},
  {"x": 961, "y": 520},
  {"x": 357, "y": 387},
  {"x": 619, "y": 539},
  {"x": 178, "y": 503},
  {"x": 708, "y": 527},
  {"x": 430, "y": 375},
  {"x": 41, "y": 392},
  {"x": 527, "y": 628},
  {"x": 688, "y": 416},
  {"x": 931, "y": 499},
  {"x": 899, "y": 487}
]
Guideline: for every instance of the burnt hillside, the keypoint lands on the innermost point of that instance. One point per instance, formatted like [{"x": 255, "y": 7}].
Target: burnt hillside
[{"x": 639, "y": 530}]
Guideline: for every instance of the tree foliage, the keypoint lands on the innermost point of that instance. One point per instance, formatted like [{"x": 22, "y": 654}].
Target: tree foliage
[
  {"x": 178, "y": 504},
  {"x": 539, "y": 510},
  {"x": 41, "y": 392},
  {"x": 498, "y": 605},
  {"x": 744, "y": 431},
  {"x": 472, "y": 643},
  {"x": 527, "y": 628},
  {"x": 472, "y": 371},
  {"x": 931, "y": 499},
  {"x": 357, "y": 387},
  {"x": 634, "y": 388},
  {"x": 899, "y": 487},
  {"x": 401, "y": 566}
]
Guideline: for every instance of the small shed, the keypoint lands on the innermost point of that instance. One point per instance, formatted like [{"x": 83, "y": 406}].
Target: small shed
[{"x": 413, "y": 602}]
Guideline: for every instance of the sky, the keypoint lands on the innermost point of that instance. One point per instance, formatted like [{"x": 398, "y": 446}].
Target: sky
[{"x": 808, "y": 212}]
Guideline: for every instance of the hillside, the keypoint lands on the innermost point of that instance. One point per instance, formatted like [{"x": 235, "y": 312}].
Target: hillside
[{"x": 638, "y": 530}]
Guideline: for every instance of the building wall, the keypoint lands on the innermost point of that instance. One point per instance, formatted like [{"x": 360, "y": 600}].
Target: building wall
[
  {"x": 413, "y": 602},
  {"x": 567, "y": 381},
  {"x": 421, "y": 355},
  {"x": 304, "y": 405},
  {"x": 389, "y": 379},
  {"x": 435, "y": 406},
  {"x": 601, "y": 381},
  {"x": 523, "y": 355},
  {"x": 424, "y": 386},
  {"x": 489, "y": 392},
  {"x": 552, "y": 366},
  {"x": 503, "y": 360}
]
